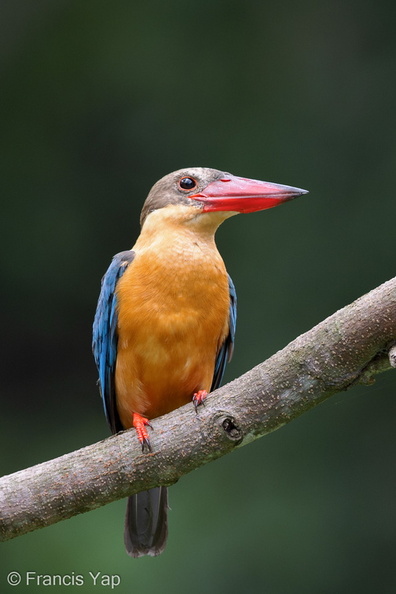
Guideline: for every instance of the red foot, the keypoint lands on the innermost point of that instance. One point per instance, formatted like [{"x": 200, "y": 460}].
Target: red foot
[
  {"x": 139, "y": 423},
  {"x": 199, "y": 398}
]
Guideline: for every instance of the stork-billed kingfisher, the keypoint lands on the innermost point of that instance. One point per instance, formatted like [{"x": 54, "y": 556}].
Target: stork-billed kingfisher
[{"x": 165, "y": 322}]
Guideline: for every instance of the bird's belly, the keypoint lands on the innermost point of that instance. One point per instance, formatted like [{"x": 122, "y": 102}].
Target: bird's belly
[
  {"x": 168, "y": 342},
  {"x": 153, "y": 379}
]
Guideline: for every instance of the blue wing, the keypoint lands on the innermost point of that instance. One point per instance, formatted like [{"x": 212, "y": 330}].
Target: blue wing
[
  {"x": 226, "y": 350},
  {"x": 105, "y": 337}
]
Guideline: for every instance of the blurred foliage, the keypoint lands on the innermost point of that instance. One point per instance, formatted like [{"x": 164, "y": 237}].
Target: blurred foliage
[{"x": 101, "y": 99}]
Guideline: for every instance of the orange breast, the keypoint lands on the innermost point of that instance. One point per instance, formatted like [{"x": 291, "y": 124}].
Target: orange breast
[{"x": 172, "y": 319}]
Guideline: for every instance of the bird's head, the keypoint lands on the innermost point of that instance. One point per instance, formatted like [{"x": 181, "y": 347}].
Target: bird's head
[{"x": 201, "y": 190}]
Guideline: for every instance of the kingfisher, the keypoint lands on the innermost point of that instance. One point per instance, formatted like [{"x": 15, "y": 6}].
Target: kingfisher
[{"x": 165, "y": 322}]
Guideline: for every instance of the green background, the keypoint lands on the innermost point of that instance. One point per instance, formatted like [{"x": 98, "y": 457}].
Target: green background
[{"x": 98, "y": 101}]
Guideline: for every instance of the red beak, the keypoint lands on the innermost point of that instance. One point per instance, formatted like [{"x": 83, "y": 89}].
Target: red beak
[{"x": 239, "y": 194}]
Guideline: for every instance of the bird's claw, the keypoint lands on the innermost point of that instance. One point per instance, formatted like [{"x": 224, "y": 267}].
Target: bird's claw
[
  {"x": 146, "y": 446},
  {"x": 199, "y": 398},
  {"x": 140, "y": 423}
]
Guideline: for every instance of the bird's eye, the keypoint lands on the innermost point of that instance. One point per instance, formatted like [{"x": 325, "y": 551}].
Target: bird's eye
[{"x": 187, "y": 183}]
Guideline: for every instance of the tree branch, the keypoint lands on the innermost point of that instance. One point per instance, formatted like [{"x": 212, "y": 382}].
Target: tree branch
[{"x": 346, "y": 349}]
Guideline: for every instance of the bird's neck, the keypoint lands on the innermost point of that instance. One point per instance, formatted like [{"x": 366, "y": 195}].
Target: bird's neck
[{"x": 171, "y": 229}]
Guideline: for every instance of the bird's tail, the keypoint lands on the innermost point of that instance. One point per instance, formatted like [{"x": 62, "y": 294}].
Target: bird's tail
[{"x": 146, "y": 522}]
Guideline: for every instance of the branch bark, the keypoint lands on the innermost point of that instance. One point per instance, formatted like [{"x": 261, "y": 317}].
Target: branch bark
[{"x": 346, "y": 349}]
